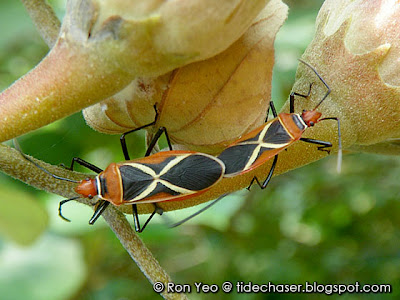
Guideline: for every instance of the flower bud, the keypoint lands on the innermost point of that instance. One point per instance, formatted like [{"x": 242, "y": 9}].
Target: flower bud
[
  {"x": 104, "y": 45},
  {"x": 356, "y": 50},
  {"x": 208, "y": 104}
]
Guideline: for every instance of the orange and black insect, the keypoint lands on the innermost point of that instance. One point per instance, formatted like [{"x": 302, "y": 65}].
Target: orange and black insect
[
  {"x": 164, "y": 176},
  {"x": 266, "y": 142}
]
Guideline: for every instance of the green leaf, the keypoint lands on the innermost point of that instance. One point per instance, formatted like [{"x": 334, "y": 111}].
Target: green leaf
[
  {"x": 53, "y": 268},
  {"x": 22, "y": 218}
]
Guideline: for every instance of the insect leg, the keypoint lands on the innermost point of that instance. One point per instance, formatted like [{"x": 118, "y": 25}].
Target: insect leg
[
  {"x": 85, "y": 164},
  {"x": 292, "y": 94},
  {"x": 155, "y": 139},
  {"x": 322, "y": 80},
  {"x": 101, "y": 204},
  {"x": 75, "y": 159},
  {"x": 339, "y": 131},
  {"x": 104, "y": 204},
  {"x": 322, "y": 144},
  {"x": 339, "y": 159},
  {"x": 122, "y": 138},
  {"x": 149, "y": 149},
  {"x": 271, "y": 107},
  {"x": 327, "y": 144},
  {"x": 267, "y": 180},
  {"x": 101, "y": 207},
  {"x": 157, "y": 209},
  {"x": 136, "y": 221},
  {"x": 61, "y": 204}
]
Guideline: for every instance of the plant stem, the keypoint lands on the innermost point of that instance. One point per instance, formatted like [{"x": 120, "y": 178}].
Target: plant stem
[
  {"x": 15, "y": 165},
  {"x": 138, "y": 251}
]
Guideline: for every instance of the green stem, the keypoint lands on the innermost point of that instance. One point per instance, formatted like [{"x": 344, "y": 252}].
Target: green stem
[{"x": 15, "y": 165}]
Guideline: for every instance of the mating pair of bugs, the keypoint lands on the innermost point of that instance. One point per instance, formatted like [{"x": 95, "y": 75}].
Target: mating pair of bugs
[{"x": 179, "y": 175}]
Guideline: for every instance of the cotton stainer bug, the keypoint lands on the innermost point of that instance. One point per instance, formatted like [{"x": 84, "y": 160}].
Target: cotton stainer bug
[
  {"x": 266, "y": 142},
  {"x": 164, "y": 176}
]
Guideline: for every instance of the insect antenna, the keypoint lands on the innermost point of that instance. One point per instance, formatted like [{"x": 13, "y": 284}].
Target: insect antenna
[
  {"x": 322, "y": 80},
  {"x": 18, "y": 148},
  {"x": 197, "y": 212},
  {"x": 340, "y": 154}
]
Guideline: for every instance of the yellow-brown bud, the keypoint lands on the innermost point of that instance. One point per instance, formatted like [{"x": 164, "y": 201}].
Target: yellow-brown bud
[
  {"x": 356, "y": 50},
  {"x": 205, "y": 105},
  {"x": 104, "y": 45}
]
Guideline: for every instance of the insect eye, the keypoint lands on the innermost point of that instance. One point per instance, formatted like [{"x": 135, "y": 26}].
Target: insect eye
[
  {"x": 311, "y": 123},
  {"x": 90, "y": 196},
  {"x": 304, "y": 110}
]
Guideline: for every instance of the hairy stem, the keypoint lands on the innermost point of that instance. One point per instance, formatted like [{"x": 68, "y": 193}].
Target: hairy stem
[
  {"x": 15, "y": 165},
  {"x": 138, "y": 251}
]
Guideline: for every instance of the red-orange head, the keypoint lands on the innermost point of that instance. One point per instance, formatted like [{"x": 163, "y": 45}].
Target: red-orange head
[
  {"x": 311, "y": 117},
  {"x": 87, "y": 188}
]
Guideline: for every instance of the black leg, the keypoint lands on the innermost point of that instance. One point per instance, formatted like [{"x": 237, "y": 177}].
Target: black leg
[
  {"x": 339, "y": 141},
  {"x": 102, "y": 204},
  {"x": 85, "y": 164},
  {"x": 75, "y": 159},
  {"x": 292, "y": 94},
  {"x": 267, "y": 180},
  {"x": 101, "y": 207},
  {"x": 155, "y": 139},
  {"x": 136, "y": 221},
  {"x": 271, "y": 107},
  {"x": 60, "y": 208},
  {"x": 157, "y": 209},
  {"x": 150, "y": 148},
  {"x": 153, "y": 142},
  {"x": 323, "y": 144},
  {"x": 122, "y": 138},
  {"x": 322, "y": 80},
  {"x": 339, "y": 131}
]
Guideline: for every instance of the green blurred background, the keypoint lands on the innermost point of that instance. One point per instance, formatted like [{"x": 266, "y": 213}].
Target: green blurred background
[{"x": 311, "y": 224}]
